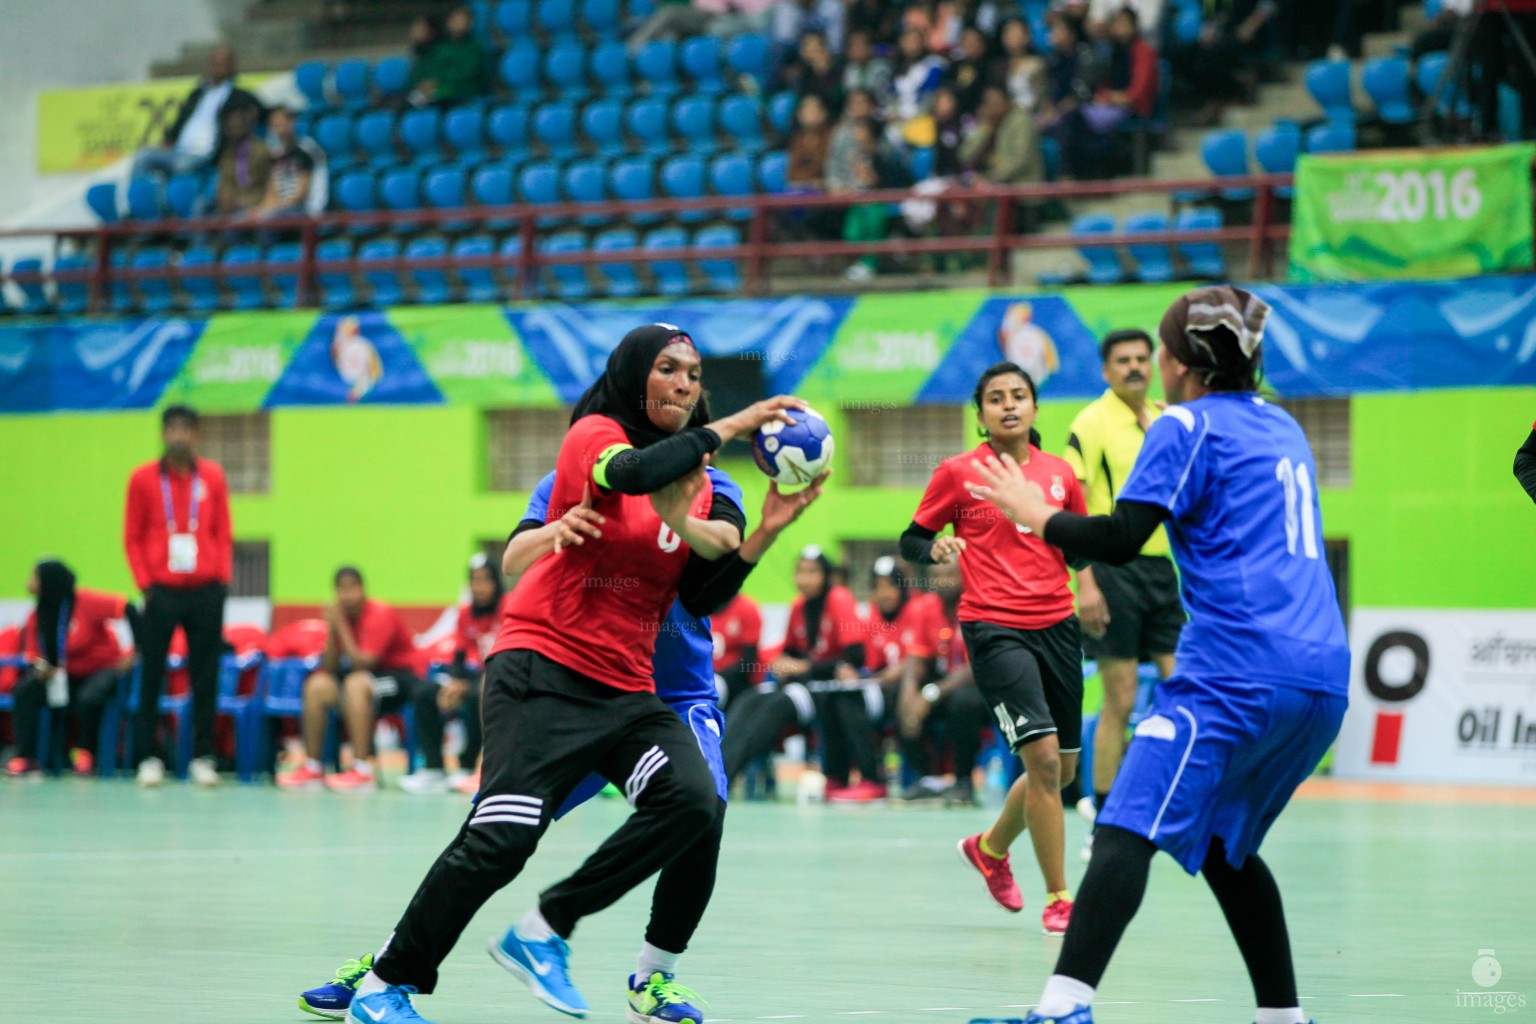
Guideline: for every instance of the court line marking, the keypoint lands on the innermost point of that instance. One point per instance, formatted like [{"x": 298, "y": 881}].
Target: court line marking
[{"x": 1377, "y": 995}]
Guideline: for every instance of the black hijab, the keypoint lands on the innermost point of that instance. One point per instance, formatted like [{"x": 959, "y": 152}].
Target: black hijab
[
  {"x": 814, "y": 606},
  {"x": 620, "y": 390},
  {"x": 55, "y": 595},
  {"x": 481, "y": 561}
]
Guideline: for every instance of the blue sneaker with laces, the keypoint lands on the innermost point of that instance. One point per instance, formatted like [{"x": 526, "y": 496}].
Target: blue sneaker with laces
[
  {"x": 392, "y": 1006},
  {"x": 659, "y": 999},
  {"x": 1079, "y": 1015},
  {"x": 332, "y": 999},
  {"x": 542, "y": 966}
]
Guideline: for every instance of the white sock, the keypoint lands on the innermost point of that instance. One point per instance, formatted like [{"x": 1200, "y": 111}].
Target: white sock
[
  {"x": 370, "y": 984},
  {"x": 313, "y": 764},
  {"x": 363, "y": 766},
  {"x": 534, "y": 928},
  {"x": 653, "y": 959},
  {"x": 1062, "y": 995},
  {"x": 1290, "y": 1015}
]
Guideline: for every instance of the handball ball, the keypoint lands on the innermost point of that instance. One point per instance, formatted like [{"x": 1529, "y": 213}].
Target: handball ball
[{"x": 793, "y": 454}]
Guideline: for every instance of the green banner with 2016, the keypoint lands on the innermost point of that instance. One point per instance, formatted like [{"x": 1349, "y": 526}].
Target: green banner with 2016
[{"x": 1441, "y": 213}]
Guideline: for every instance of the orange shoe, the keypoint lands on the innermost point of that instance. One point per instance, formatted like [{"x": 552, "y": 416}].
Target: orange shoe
[
  {"x": 858, "y": 793},
  {"x": 302, "y": 779},
  {"x": 1056, "y": 917},
  {"x": 352, "y": 781},
  {"x": 83, "y": 763},
  {"x": 996, "y": 872}
]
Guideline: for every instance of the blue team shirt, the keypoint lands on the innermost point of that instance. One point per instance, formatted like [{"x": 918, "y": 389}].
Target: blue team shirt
[
  {"x": 684, "y": 662},
  {"x": 1238, "y": 480}
]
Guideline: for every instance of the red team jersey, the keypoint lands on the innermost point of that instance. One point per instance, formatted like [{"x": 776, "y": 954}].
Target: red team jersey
[
  {"x": 1012, "y": 578},
  {"x": 91, "y": 645},
  {"x": 475, "y": 634},
  {"x": 840, "y": 627},
  {"x": 888, "y": 641},
  {"x": 596, "y": 608},
  {"x": 936, "y": 635},
  {"x": 733, "y": 628},
  {"x": 381, "y": 632}
]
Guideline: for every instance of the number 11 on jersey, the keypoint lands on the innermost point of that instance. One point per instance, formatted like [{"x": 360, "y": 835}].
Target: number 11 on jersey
[{"x": 1296, "y": 478}]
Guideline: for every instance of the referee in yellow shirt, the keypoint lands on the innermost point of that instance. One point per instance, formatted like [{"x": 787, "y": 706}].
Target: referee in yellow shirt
[{"x": 1129, "y": 613}]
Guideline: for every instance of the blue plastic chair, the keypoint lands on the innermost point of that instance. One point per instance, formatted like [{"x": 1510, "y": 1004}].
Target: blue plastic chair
[
  {"x": 781, "y": 112},
  {"x": 102, "y": 199},
  {"x": 586, "y": 181},
  {"x": 281, "y": 696},
  {"x": 1202, "y": 259},
  {"x": 120, "y": 298},
  {"x": 431, "y": 282},
  {"x": 1328, "y": 82},
  {"x": 656, "y": 66},
  {"x": 182, "y": 194},
  {"x": 1186, "y": 25},
  {"x": 374, "y": 134},
  {"x": 1386, "y": 83},
  {"x": 633, "y": 180},
  {"x": 492, "y": 186},
  {"x": 507, "y": 128},
  {"x": 144, "y": 199},
  {"x": 419, "y": 131},
  {"x": 283, "y": 265},
  {"x": 554, "y": 125},
  {"x": 620, "y": 280},
  {"x": 243, "y": 709},
  {"x": 682, "y": 177},
  {"x": 1331, "y": 138},
  {"x": 463, "y": 131},
  {"x": 568, "y": 281},
  {"x": 201, "y": 290},
  {"x": 155, "y": 296},
  {"x": 246, "y": 291},
  {"x": 392, "y": 77},
  {"x": 1276, "y": 150},
  {"x": 1103, "y": 263},
  {"x": 71, "y": 295},
  {"x": 310, "y": 78},
  {"x": 722, "y": 275},
  {"x": 602, "y": 123},
  {"x": 1428, "y": 74},
  {"x": 741, "y": 120},
  {"x": 693, "y": 120},
  {"x": 1153, "y": 263},
  {"x": 639, "y": 10},
  {"x": 647, "y": 122},
  {"x": 773, "y": 173},
  {"x": 479, "y": 283},
  {"x": 749, "y": 55},
  {"x": 384, "y": 283},
  {"x": 352, "y": 83},
  {"x": 519, "y": 69},
  {"x": 565, "y": 68},
  {"x": 356, "y": 192},
  {"x": 401, "y": 190},
  {"x": 514, "y": 18},
  {"x": 731, "y": 175},
  {"x": 700, "y": 59},
  {"x": 557, "y": 17},
  {"x": 671, "y": 274},
  {"x": 178, "y": 707},
  {"x": 336, "y": 134},
  {"x": 1226, "y": 155},
  {"x": 608, "y": 68},
  {"x": 538, "y": 184},
  {"x": 27, "y": 274},
  {"x": 601, "y": 17},
  {"x": 444, "y": 189},
  {"x": 333, "y": 273},
  {"x": 511, "y": 249}
]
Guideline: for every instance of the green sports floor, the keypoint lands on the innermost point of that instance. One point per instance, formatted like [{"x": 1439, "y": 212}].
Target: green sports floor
[{"x": 181, "y": 905}]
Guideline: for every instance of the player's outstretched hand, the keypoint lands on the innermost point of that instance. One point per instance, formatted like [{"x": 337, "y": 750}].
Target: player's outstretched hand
[
  {"x": 579, "y": 523},
  {"x": 1003, "y": 483},
  {"x": 755, "y": 415},
  {"x": 947, "y": 549},
  {"x": 780, "y": 509}
]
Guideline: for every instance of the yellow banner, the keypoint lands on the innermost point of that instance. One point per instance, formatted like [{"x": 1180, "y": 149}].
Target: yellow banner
[{"x": 85, "y": 129}]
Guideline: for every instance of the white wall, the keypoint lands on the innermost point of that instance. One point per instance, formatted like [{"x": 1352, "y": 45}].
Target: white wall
[{"x": 57, "y": 43}]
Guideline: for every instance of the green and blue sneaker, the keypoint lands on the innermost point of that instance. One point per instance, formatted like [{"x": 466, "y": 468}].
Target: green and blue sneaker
[
  {"x": 331, "y": 1000},
  {"x": 659, "y": 999}
]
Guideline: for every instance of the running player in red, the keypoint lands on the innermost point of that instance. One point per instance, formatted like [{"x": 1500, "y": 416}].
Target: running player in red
[
  {"x": 569, "y": 687},
  {"x": 1016, "y": 616}
]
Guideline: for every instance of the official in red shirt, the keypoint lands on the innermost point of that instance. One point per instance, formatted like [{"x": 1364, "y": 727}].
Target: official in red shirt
[
  {"x": 74, "y": 653},
  {"x": 176, "y": 534},
  {"x": 365, "y": 672},
  {"x": 1017, "y": 618}
]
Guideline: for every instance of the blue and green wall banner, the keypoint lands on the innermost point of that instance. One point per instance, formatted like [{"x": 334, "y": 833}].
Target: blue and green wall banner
[{"x": 894, "y": 349}]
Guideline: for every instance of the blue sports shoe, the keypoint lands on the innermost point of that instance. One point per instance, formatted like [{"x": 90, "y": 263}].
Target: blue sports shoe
[
  {"x": 542, "y": 967},
  {"x": 392, "y": 1006},
  {"x": 1080, "y": 1015},
  {"x": 331, "y": 1000},
  {"x": 659, "y": 999}
]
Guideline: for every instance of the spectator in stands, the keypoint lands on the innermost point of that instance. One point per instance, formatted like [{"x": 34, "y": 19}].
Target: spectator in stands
[
  {"x": 1437, "y": 36},
  {"x": 879, "y": 20},
  {"x": 76, "y": 662},
  {"x": 948, "y": 134},
  {"x": 680, "y": 19},
  {"x": 1075, "y": 74},
  {"x": 808, "y": 144},
  {"x": 937, "y": 22},
  {"x": 792, "y": 19},
  {"x": 918, "y": 73},
  {"x": 1101, "y": 14},
  {"x": 816, "y": 72},
  {"x": 176, "y": 533},
  {"x": 1220, "y": 66},
  {"x": 969, "y": 73},
  {"x": 1087, "y": 132},
  {"x": 296, "y": 163},
  {"x": 453, "y": 69},
  {"x": 193, "y": 141},
  {"x": 1018, "y": 67},
  {"x": 1134, "y": 76},
  {"x": 871, "y": 167},
  {"x": 365, "y": 672},
  {"x": 843, "y": 145},
  {"x": 245, "y": 162},
  {"x": 862, "y": 69},
  {"x": 426, "y": 32},
  {"x": 1004, "y": 146},
  {"x": 737, "y": 631}
]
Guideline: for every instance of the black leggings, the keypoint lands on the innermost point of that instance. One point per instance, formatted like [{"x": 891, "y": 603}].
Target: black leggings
[
  {"x": 758, "y": 720},
  {"x": 431, "y": 722},
  {"x": 88, "y": 697},
  {"x": 755, "y": 722},
  {"x": 683, "y": 890},
  {"x": 962, "y": 714}
]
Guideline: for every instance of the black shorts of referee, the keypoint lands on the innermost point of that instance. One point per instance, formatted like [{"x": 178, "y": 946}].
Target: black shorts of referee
[{"x": 1145, "y": 613}]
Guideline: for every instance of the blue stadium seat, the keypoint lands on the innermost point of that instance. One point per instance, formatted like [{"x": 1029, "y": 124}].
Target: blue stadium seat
[
  {"x": 485, "y": 22},
  {"x": 492, "y": 186},
  {"x": 201, "y": 290},
  {"x": 356, "y": 192},
  {"x": 1328, "y": 82},
  {"x": 586, "y": 181},
  {"x": 773, "y": 173},
  {"x": 444, "y": 190},
  {"x": 671, "y": 274},
  {"x": 731, "y": 175},
  {"x": 565, "y": 68},
  {"x": 920, "y": 163},
  {"x": 71, "y": 294},
  {"x": 639, "y": 10},
  {"x": 310, "y": 78},
  {"x": 1226, "y": 155},
  {"x": 1431, "y": 69},
  {"x": 514, "y": 19},
  {"x": 647, "y": 122},
  {"x": 352, "y": 83},
  {"x": 463, "y": 131},
  {"x": 722, "y": 275},
  {"x": 431, "y": 282},
  {"x": 479, "y": 283},
  {"x": 511, "y": 249},
  {"x": 283, "y": 263},
  {"x": 693, "y": 120},
  {"x": 392, "y": 77},
  {"x": 568, "y": 280},
  {"x": 608, "y": 67},
  {"x": 781, "y": 112},
  {"x": 154, "y": 292},
  {"x": 1331, "y": 138},
  {"x": 401, "y": 190},
  {"x": 538, "y": 184},
  {"x": 120, "y": 299},
  {"x": 557, "y": 17},
  {"x": 182, "y": 194},
  {"x": 554, "y": 124},
  {"x": 1276, "y": 149},
  {"x": 602, "y": 122},
  {"x": 682, "y": 177},
  {"x": 1386, "y": 83},
  {"x": 741, "y": 120},
  {"x": 1186, "y": 26},
  {"x": 419, "y": 131},
  {"x": 700, "y": 59},
  {"x": 239, "y": 263},
  {"x": 27, "y": 274},
  {"x": 601, "y": 17},
  {"x": 1152, "y": 262},
  {"x": 374, "y": 134},
  {"x": 748, "y": 55},
  {"x": 333, "y": 272},
  {"x": 336, "y": 134},
  {"x": 519, "y": 69},
  {"x": 144, "y": 199},
  {"x": 1103, "y": 263},
  {"x": 620, "y": 280},
  {"x": 102, "y": 199},
  {"x": 633, "y": 181},
  {"x": 656, "y": 66},
  {"x": 1202, "y": 259},
  {"x": 385, "y": 284},
  {"x": 507, "y": 129}
]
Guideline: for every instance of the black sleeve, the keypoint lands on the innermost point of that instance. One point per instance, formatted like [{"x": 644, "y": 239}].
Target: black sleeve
[
  {"x": 917, "y": 545},
  {"x": 183, "y": 115},
  {"x": 1525, "y": 465},
  {"x": 707, "y": 586},
  {"x": 135, "y": 616},
  {"x": 853, "y": 654},
  {"x": 647, "y": 470},
  {"x": 1112, "y": 539},
  {"x": 723, "y": 509},
  {"x": 523, "y": 527}
]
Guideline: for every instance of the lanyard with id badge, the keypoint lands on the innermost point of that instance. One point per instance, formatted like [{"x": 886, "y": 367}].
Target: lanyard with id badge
[{"x": 182, "y": 547}]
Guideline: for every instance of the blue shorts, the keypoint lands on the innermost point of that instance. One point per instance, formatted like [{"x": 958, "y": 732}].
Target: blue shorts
[
  {"x": 707, "y": 723},
  {"x": 1218, "y": 760}
]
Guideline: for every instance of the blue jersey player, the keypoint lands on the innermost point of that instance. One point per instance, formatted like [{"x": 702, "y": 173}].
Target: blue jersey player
[{"x": 1262, "y": 669}]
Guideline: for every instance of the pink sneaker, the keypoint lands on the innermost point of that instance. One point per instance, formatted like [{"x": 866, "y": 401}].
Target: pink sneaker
[
  {"x": 1056, "y": 917},
  {"x": 996, "y": 872},
  {"x": 302, "y": 779},
  {"x": 352, "y": 781},
  {"x": 858, "y": 793}
]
